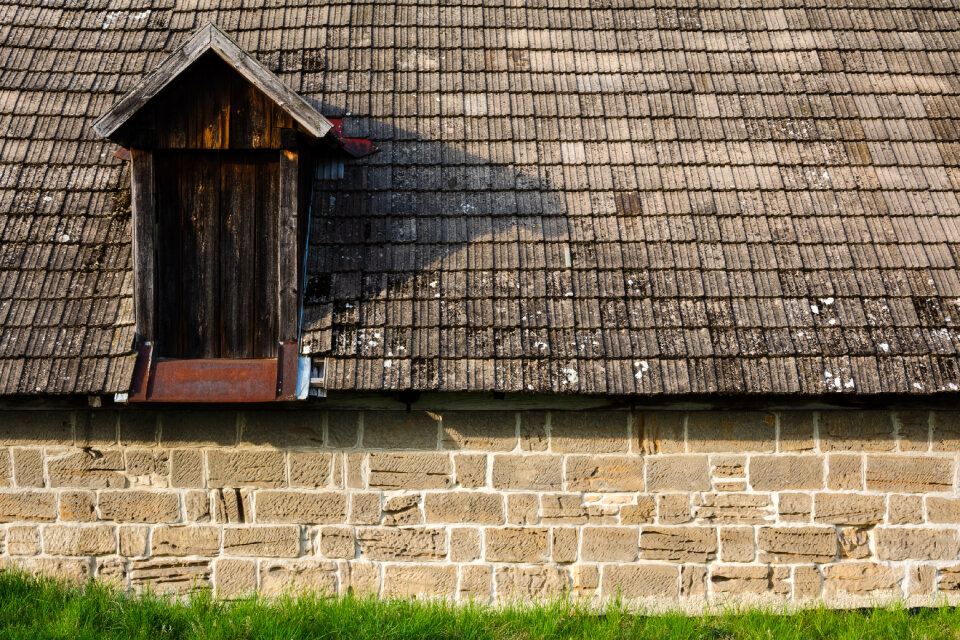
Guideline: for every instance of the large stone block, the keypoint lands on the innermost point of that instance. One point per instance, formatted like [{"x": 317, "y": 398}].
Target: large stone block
[
  {"x": 939, "y": 510},
  {"x": 946, "y": 430},
  {"x": 906, "y": 510},
  {"x": 588, "y": 431},
  {"x": 913, "y": 430},
  {"x": 32, "y": 427},
  {"x": 640, "y": 581},
  {"x": 737, "y": 544},
  {"x": 189, "y": 540},
  {"x": 659, "y": 432},
  {"x": 75, "y": 570},
  {"x": 78, "y": 506},
  {"x": 186, "y": 468},
  {"x": 523, "y": 508},
  {"x": 295, "y": 576},
  {"x": 609, "y": 544},
  {"x": 337, "y": 542},
  {"x": 849, "y": 508},
  {"x": 797, "y": 544},
  {"x": 732, "y": 508},
  {"x": 533, "y": 431},
  {"x": 233, "y": 468},
  {"x": 528, "y": 472},
  {"x": 539, "y": 582},
  {"x": 87, "y": 469},
  {"x": 301, "y": 507},
  {"x": 796, "y": 431},
  {"x": 517, "y": 545},
  {"x": 232, "y": 505},
  {"x": 909, "y": 543},
  {"x": 479, "y": 430},
  {"x": 147, "y": 466},
  {"x": 23, "y": 540},
  {"x": 786, "y": 472},
  {"x": 807, "y": 582},
  {"x": 464, "y": 506},
  {"x": 562, "y": 509},
  {"x": 133, "y": 540},
  {"x": 471, "y": 470},
  {"x": 265, "y": 542},
  {"x": 673, "y": 508},
  {"x": 235, "y": 577},
  {"x": 276, "y": 427},
  {"x": 28, "y": 467},
  {"x": 795, "y": 507},
  {"x": 640, "y": 513},
  {"x": 854, "y": 542},
  {"x": 79, "y": 540},
  {"x": 739, "y": 579},
  {"x": 847, "y": 430},
  {"x": 134, "y": 505},
  {"x": 730, "y": 431},
  {"x": 410, "y": 471},
  {"x": 403, "y": 544},
  {"x": 400, "y": 430},
  {"x": 566, "y": 542},
  {"x": 910, "y": 475},
  {"x": 861, "y": 579},
  {"x": 678, "y": 473},
  {"x": 679, "y": 544},
  {"x": 365, "y": 508},
  {"x": 36, "y": 506},
  {"x": 170, "y": 575},
  {"x": 464, "y": 544},
  {"x": 604, "y": 473},
  {"x": 402, "y": 509},
  {"x": 845, "y": 471},
  {"x": 419, "y": 580},
  {"x": 475, "y": 583},
  {"x": 138, "y": 426},
  {"x": 196, "y": 504},
  {"x": 309, "y": 469},
  {"x": 343, "y": 429},
  {"x": 197, "y": 428}
]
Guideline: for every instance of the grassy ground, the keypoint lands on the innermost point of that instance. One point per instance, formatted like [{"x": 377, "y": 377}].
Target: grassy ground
[{"x": 33, "y": 609}]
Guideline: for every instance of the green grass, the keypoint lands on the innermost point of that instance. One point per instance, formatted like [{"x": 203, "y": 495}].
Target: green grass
[{"x": 34, "y": 609}]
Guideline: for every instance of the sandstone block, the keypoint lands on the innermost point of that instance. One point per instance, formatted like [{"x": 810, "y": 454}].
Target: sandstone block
[
  {"x": 659, "y": 432},
  {"x": 586, "y": 579},
  {"x": 905, "y": 510},
  {"x": 19, "y": 428},
  {"x": 604, "y": 473},
  {"x": 197, "y": 504},
  {"x": 517, "y": 545},
  {"x": 133, "y": 540},
  {"x": 232, "y": 505},
  {"x": 343, "y": 429},
  {"x": 479, "y": 430},
  {"x": 523, "y": 508},
  {"x": 854, "y": 542},
  {"x": 728, "y": 431},
  {"x": 292, "y": 576},
  {"x": 673, "y": 508},
  {"x": 796, "y": 431},
  {"x": 35, "y": 506},
  {"x": 797, "y": 544},
  {"x": 186, "y": 468},
  {"x": 464, "y": 544},
  {"x": 732, "y": 508},
  {"x": 922, "y": 579},
  {"x": 640, "y": 513},
  {"x": 410, "y": 471},
  {"x": 400, "y": 430},
  {"x": 861, "y": 579},
  {"x": 786, "y": 472},
  {"x": 471, "y": 469},
  {"x": 170, "y": 575},
  {"x": 565, "y": 543},
  {"x": 588, "y": 432},
  {"x": 539, "y": 582},
  {"x": 79, "y": 540},
  {"x": 728, "y": 466},
  {"x": 678, "y": 473},
  {"x": 419, "y": 580},
  {"x": 232, "y": 468},
  {"x": 946, "y": 430},
  {"x": 640, "y": 581},
  {"x": 949, "y": 579},
  {"x": 679, "y": 544},
  {"x": 402, "y": 544},
  {"x": 849, "y": 508},
  {"x": 151, "y": 464},
  {"x": 736, "y": 544},
  {"x": 355, "y": 471},
  {"x": 403, "y": 509},
  {"x": 845, "y": 471},
  {"x": 942, "y": 510},
  {"x": 282, "y": 428},
  {"x": 528, "y": 472},
  {"x": 337, "y": 542},
  {"x": 309, "y": 469},
  {"x": 365, "y": 508},
  {"x": 795, "y": 507},
  {"x": 913, "y": 430},
  {"x": 856, "y": 430},
  {"x": 112, "y": 570},
  {"x": 75, "y": 570},
  {"x": 192, "y": 428},
  {"x": 23, "y": 541},
  {"x": 562, "y": 509},
  {"x": 28, "y": 467},
  {"x": 185, "y": 540},
  {"x": 910, "y": 475},
  {"x": 270, "y": 542},
  {"x": 78, "y": 506},
  {"x": 300, "y": 507},
  {"x": 93, "y": 469},
  {"x": 907, "y": 543},
  {"x": 464, "y": 506},
  {"x": 234, "y": 577},
  {"x": 95, "y": 428},
  {"x": 361, "y": 578},
  {"x": 475, "y": 582},
  {"x": 134, "y": 505},
  {"x": 138, "y": 427},
  {"x": 807, "y": 582},
  {"x": 739, "y": 579},
  {"x": 533, "y": 431},
  {"x": 693, "y": 581},
  {"x": 609, "y": 544}
]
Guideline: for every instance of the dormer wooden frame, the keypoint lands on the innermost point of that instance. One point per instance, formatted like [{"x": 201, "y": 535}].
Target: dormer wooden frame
[{"x": 217, "y": 379}]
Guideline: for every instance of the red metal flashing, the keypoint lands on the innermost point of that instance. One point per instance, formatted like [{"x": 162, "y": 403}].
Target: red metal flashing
[
  {"x": 356, "y": 147},
  {"x": 215, "y": 380},
  {"x": 122, "y": 153}
]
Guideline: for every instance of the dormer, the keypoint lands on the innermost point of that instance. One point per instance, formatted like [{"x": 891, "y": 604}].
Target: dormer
[{"x": 221, "y": 159}]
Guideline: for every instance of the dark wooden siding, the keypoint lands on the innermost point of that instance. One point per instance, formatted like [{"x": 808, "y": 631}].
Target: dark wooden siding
[{"x": 217, "y": 279}]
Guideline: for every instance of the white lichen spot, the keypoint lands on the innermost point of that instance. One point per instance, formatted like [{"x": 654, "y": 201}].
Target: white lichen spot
[
  {"x": 568, "y": 294},
  {"x": 917, "y": 385},
  {"x": 885, "y": 347},
  {"x": 826, "y": 301},
  {"x": 47, "y": 198},
  {"x": 953, "y": 386},
  {"x": 814, "y": 309},
  {"x": 642, "y": 367},
  {"x": 64, "y": 237},
  {"x": 571, "y": 375},
  {"x": 387, "y": 364}
]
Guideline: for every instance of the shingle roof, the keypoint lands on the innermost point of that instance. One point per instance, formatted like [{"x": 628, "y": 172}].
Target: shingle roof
[{"x": 601, "y": 197}]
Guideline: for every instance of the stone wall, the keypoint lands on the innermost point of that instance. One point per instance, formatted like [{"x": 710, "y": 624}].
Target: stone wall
[{"x": 676, "y": 506}]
